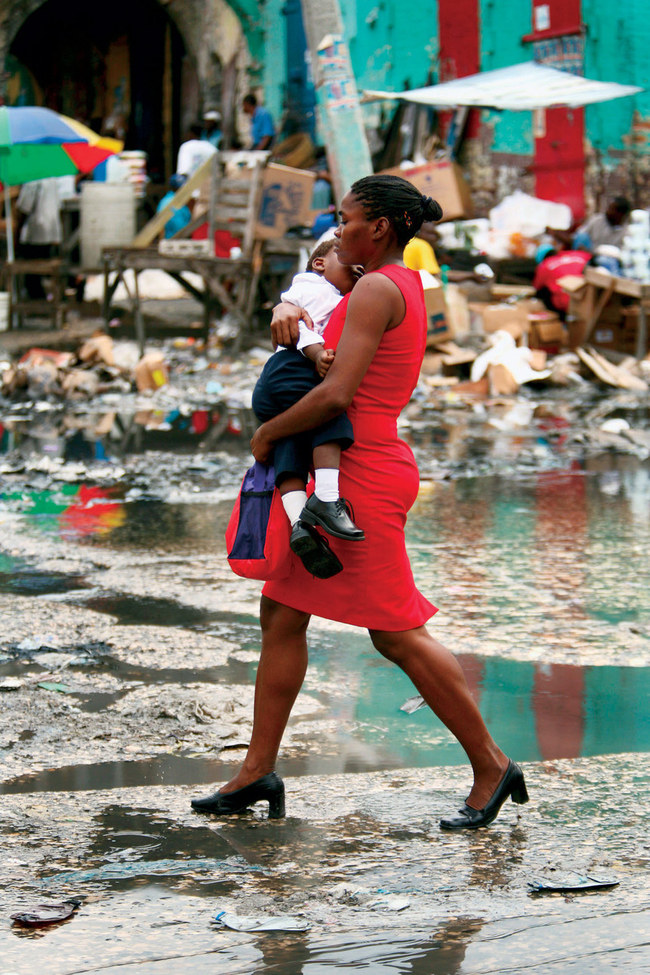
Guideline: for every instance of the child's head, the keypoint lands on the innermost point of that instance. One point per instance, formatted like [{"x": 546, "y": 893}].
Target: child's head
[{"x": 324, "y": 261}]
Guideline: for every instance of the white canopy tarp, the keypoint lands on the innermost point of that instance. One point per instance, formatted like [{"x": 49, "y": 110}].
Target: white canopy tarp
[{"x": 519, "y": 88}]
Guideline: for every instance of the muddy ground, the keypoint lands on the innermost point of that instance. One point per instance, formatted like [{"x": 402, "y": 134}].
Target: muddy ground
[{"x": 127, "y": 661}]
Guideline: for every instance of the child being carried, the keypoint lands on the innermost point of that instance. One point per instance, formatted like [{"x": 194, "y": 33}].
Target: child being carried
[{"x": 288, "y": 375}]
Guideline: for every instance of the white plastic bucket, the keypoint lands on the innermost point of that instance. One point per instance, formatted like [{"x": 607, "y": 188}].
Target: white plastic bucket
[
  {"x": 4, "y": 311},
  {"x": 107, "y": 219}
]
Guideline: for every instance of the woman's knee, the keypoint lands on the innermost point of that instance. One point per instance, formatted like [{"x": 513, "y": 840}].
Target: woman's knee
[
  {"x": 388, "y": 644},
  {"x": 398, "y": 647},
  {"x": 276, "y": 617}
]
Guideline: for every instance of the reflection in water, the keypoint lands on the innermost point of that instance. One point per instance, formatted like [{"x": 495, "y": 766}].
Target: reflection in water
[{"x": 536, "y": 711}]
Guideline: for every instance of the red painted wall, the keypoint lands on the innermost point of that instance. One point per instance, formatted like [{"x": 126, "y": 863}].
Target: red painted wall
[
  {"x": 559, "y": 152},
  {"x": 560, "y": 159},
  {"x": 458, "y": 32},
  {"x": 564, "y": 16}
]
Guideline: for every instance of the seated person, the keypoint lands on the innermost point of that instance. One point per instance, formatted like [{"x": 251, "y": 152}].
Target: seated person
[
  {"x": 601, "y": 228},
  {"x": 552, "y": 266},
  {"x": 180, "y": 216},
  {"x": 288, "y": 375}
]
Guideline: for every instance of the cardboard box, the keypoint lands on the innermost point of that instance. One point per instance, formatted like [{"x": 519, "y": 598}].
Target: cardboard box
[
  {"x": 619, "y": 336},
  {"x": 546, "y": 331},
  {"x": 286, "y": 200},
  {"x": 511, "y": 318},
  {"x": 438, "y": 329},
  {"x": 444, "y": 181}
]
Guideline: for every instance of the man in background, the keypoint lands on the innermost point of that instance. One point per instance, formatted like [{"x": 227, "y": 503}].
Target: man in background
[
  {"x": 262, "y": 128},
  {"x": 606, "y": 228}
]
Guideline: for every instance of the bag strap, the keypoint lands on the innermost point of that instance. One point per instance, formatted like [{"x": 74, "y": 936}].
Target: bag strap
[{"x": 263, "y": 477}]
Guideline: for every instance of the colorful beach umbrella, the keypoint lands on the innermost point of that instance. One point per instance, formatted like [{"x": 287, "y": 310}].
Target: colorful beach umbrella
[{"x": 36, "y": 143}]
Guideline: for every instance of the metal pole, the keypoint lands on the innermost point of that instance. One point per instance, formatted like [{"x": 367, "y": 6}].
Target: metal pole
[
  {"x": 10, "y": 233},
  {"x": 336, "y": 92}
]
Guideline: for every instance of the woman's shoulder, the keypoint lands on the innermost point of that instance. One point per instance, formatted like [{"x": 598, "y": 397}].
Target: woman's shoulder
[{"x": 403, "y": 277}]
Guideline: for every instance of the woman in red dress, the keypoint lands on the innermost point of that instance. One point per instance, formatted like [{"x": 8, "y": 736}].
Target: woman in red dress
[{"x": 379, "y": 333}]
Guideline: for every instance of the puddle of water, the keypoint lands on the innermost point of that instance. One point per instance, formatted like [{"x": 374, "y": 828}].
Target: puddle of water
[
  {"x": 18, "y": 578},
  {"x": 560, "y": 711}
]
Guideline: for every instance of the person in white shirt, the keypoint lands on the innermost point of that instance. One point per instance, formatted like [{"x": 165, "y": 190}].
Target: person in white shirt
[
  {"x": 193, "y": 153},
  {"x": 287, "y": 376},
  {"x": 39, "y": 228}
]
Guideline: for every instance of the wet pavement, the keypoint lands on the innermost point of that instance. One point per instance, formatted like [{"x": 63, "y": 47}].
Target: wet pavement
[
  {"x": 127, "y": 661},
  {"x": 359, "y": 859}
]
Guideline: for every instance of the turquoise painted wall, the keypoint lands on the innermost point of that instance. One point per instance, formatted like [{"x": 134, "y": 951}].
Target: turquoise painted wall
[
  {"x": 392, "y": 45},
  {"x": 501, "y": 47},
  {"x": 618, "y": 41}
]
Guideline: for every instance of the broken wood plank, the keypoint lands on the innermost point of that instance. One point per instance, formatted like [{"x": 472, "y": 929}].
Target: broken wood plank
[{"x": 608, "y": 373}]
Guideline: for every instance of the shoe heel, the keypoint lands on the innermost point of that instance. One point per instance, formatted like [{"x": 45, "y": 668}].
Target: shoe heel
[
  {"x": 276, "y": 806},
  {"x": 519, "y": 793}
]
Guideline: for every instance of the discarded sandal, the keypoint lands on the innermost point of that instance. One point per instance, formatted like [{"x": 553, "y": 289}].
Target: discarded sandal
[
  {"x": 270, "y": 787},
  {"x": 512, "y": 784}
]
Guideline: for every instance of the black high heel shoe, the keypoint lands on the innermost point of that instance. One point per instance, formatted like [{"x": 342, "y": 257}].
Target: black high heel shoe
[
  {"x": 270, "y": 787},
  {"x": 512, "y": 784}
]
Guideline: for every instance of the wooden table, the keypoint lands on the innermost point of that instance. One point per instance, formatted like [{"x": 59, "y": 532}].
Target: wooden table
[{"x": 600, "y": 288}]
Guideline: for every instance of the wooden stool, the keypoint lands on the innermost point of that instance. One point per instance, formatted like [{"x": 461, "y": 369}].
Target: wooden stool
[{"x": 55, "y": 309}]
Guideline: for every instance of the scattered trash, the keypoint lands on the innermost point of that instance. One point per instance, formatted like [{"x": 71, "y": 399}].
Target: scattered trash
[
  {"x": 11, "y": 684},
  {"x": 615, "y": 425},
  {"x": 45, "y": 914},
  {"x": 564, "y": 883},
  {"x": 151, "y": 371},
  {"x": 413, "y": 704},
  {"x": 47, "y": 685},
  {"x": 281, "y": 922},
  {"x": 392, "y": 903}
]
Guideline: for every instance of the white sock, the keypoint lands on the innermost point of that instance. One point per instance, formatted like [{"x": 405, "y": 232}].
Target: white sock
[
  {"x": 326, "y": 487},
  {"x": 293, "y": 503}
]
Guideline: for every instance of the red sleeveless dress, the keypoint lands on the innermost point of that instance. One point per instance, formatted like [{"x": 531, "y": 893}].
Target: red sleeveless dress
[{"x": 380, "y": 478}]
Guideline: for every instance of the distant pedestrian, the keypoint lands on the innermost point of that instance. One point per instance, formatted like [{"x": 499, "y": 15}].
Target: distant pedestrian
[
  {"x": 262, "y": 128},
  {"x": 212, "y": 128},
  {"x": 193, "y": 152}
]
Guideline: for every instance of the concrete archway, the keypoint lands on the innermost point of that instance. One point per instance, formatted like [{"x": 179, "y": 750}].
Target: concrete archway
[{"x": 143, "y": 66}]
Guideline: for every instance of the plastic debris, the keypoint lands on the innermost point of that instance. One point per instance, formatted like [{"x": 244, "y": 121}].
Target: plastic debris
[
  {"x": 413, "y": 704},
  {"x": 45, "y": 914},
  {"x": 281, "y": 922},
  {"x": 392, "y": 903},
  {"x": 564, "y": 883},
  {"x": 48, "y": 685}
]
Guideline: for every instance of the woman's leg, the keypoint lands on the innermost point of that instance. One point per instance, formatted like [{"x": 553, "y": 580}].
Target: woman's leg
[
  {"x": 440, "y": 680},
  {"x": 280, "y": 673}
]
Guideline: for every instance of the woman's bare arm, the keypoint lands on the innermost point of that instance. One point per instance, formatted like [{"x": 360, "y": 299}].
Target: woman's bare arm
[{"x": 375, "y": 305}]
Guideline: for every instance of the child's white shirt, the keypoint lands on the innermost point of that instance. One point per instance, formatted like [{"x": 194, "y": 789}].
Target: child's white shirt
[{"x": 319, "y": 297}]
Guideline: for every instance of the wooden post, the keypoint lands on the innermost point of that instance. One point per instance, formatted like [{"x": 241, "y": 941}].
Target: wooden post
[{"x": 340, "y": 115}]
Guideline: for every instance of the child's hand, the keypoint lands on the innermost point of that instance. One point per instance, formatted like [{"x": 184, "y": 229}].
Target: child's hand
[{"x": 324, "y": 359}]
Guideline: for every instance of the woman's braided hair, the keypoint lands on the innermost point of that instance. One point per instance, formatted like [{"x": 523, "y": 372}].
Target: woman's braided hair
[{"x": 397, "y": 200}]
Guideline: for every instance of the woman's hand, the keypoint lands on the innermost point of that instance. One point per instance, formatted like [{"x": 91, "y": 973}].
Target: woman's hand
[
  {"x": 261, "y": 446},
  {"x": 284, "y": 323}
]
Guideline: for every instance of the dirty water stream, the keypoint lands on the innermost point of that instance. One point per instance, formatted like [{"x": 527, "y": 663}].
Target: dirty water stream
[{"x": 121, "y": 627}]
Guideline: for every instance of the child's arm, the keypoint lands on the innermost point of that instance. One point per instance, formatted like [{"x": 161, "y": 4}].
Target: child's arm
[{"x": 320, "y": 356}]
